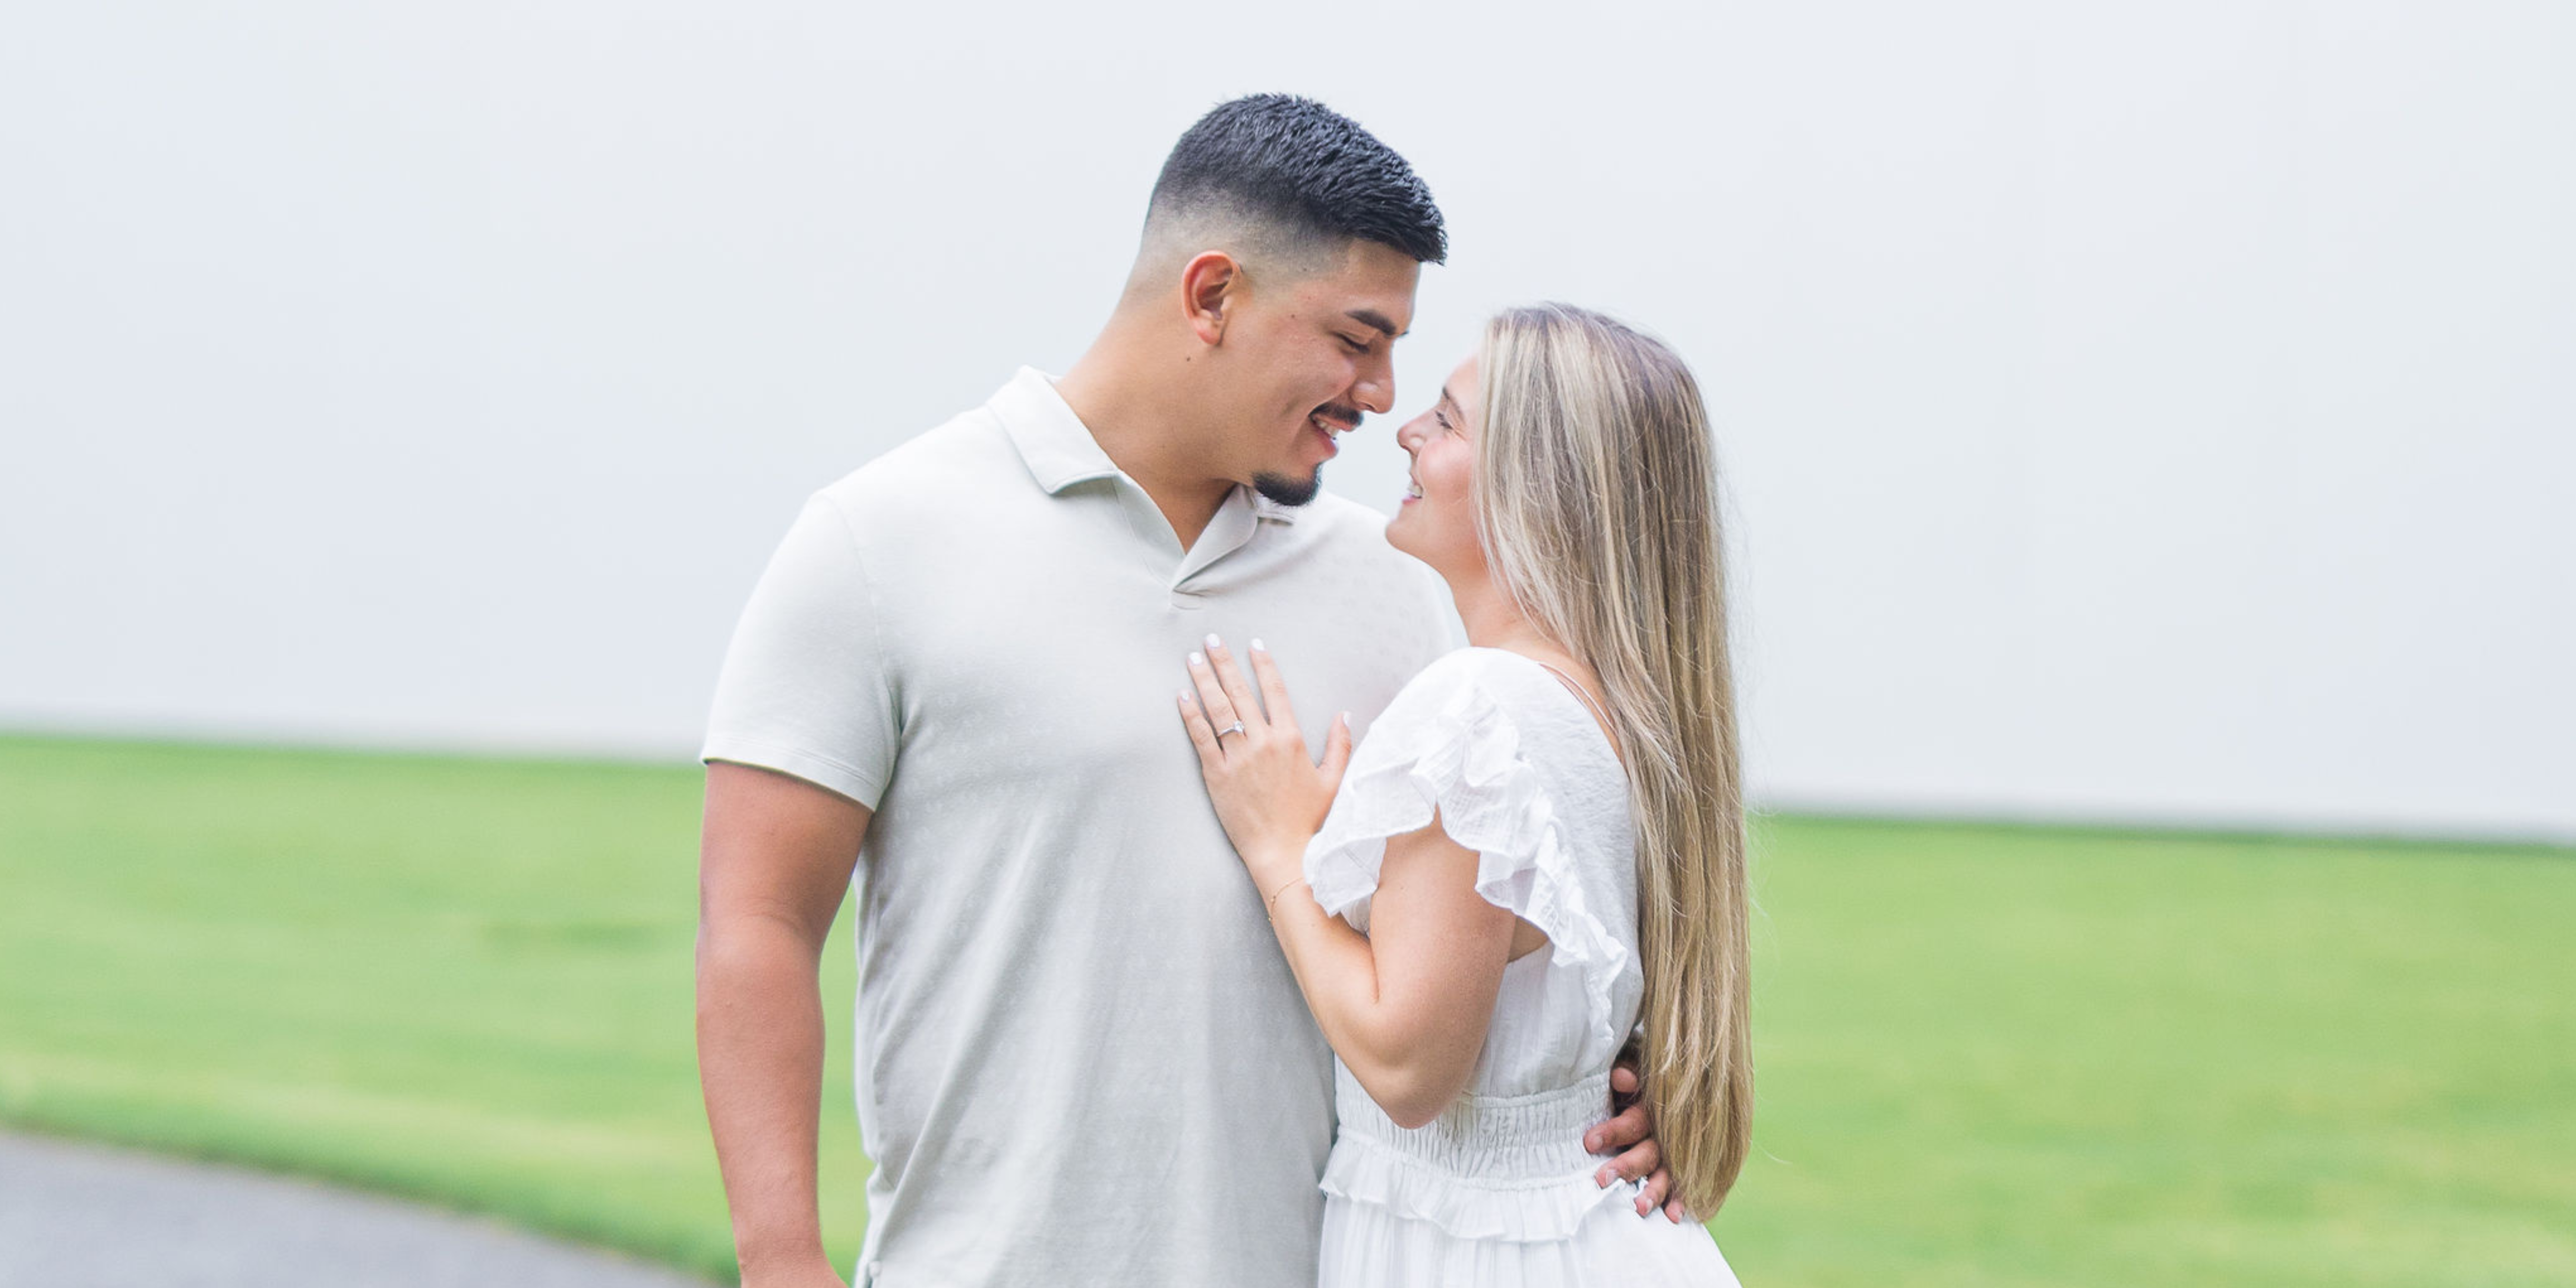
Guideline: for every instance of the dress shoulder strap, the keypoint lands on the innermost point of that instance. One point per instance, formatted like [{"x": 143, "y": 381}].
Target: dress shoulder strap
[{"x": 1586, "y": 694}]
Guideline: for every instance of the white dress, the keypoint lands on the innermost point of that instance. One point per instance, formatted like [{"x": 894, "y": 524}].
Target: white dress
[{"x": 1498, "y": 1191}]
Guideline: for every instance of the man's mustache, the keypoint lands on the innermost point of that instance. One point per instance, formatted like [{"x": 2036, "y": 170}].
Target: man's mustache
[{"x": 1346, "y": 416}]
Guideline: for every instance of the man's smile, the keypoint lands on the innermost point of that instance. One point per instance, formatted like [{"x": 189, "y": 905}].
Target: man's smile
[{"x": 1330, "y": 423}]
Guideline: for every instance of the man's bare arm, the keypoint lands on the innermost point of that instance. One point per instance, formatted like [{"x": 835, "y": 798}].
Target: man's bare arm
[{"x": 774, "y": 862}]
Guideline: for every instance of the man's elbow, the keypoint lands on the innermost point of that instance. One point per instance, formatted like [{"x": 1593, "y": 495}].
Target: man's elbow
[{"x": 753, "y": 947}]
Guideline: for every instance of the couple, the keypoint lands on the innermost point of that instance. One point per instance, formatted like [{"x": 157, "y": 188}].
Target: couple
[{"x": 1091, "y": 1047}]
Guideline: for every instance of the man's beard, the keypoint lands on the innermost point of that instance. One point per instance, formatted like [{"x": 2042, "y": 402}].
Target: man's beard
[{"x": 1280, "y": 489}]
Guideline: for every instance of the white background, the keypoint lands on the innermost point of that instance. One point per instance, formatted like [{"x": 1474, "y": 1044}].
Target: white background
[{"x": 2131, "y": 411}]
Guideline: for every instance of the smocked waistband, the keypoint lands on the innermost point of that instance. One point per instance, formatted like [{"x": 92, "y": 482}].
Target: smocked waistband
[{"x": 1536, "y": 1137}]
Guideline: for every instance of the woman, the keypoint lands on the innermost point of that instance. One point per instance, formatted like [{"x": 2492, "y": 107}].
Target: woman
[{"x": 1541, "y": 838}]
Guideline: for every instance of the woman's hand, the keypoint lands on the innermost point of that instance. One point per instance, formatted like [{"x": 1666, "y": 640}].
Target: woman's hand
[{"x": 1269, "y": 796}]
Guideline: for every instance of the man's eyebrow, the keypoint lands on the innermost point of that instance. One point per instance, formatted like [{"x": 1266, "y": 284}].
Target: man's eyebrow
[{"x": 1371, "y": 317}]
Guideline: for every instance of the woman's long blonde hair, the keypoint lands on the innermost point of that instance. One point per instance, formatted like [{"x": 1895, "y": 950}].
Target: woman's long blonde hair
[{"x": 1596, "y": 501}]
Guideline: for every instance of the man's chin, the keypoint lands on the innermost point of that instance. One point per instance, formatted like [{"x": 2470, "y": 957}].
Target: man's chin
[{"x": 1288, "y": 490}]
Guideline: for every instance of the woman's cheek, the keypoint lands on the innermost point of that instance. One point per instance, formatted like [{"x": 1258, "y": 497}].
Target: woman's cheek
[{"x": 1457, "y": 521}]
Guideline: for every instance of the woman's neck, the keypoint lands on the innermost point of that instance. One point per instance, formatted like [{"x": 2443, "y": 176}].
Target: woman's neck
[
  {"x": 1498, "y": 622},
  {"x": 1495, "y": 620}
]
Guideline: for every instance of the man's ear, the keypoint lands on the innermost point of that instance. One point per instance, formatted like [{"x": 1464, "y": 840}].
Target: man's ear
[{"x": 1210, "y": 284}]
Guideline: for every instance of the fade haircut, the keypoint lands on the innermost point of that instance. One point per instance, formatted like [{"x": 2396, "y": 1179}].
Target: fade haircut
[{"x": 1296, "y": 178}]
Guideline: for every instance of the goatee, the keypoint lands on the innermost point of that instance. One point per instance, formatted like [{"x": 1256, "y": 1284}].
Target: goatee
[{"x": 1280, "y": 489}]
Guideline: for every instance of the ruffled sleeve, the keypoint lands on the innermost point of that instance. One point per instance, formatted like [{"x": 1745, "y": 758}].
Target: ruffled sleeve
[{"x": 1447, "y": 744}]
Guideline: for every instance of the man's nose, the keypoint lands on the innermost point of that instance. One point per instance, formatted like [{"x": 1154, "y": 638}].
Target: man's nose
[{"x": 1376, "y": 390}]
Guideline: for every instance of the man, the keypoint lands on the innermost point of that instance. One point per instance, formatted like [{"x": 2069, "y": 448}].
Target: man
[{"x": 1081, "y": 1057}]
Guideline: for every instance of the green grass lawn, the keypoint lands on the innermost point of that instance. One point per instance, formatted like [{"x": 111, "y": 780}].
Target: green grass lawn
[{"x": 1989, "y": 1056}]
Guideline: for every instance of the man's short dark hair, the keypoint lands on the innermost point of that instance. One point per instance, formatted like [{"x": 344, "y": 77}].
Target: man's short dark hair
[{"x": 1305, "y": 168}]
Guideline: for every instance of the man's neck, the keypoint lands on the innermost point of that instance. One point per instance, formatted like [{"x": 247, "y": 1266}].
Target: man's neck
[{"x": 1134, "y": 420}]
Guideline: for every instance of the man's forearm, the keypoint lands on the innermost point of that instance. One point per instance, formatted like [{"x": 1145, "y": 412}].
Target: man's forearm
[{"x": 760, "y": 1063}]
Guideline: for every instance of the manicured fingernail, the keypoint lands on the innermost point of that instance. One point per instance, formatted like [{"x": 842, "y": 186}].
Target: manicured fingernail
[
  {"x": 1185, "y": 697},
  {"x": 1601, "y": 1179},
  {"x": 1197, "y": 658},
  {"x": 1213, "y": 641},
  {"x": 1256, "y": 647}
]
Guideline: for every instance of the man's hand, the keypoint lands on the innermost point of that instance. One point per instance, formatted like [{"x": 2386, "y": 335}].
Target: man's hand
[
  {"x": 817, "y": 1275},
  {"x": 1629, "y": 1132}
]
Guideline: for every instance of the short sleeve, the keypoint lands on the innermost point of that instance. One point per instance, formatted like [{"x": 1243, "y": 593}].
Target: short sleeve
[
  {"x": 1447, "y": 744},
  {"x": 807, "y": 687}
]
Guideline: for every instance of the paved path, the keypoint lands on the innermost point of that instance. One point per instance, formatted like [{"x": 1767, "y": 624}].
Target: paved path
[{"x": 88, "y": 1216}]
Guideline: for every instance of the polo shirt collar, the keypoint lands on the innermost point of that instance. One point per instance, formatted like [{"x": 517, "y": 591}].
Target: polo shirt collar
[{"x": 1060, "y": 451}]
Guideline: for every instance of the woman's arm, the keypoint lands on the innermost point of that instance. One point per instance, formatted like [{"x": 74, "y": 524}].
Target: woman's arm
[{"x": 1407, "y": 1005}]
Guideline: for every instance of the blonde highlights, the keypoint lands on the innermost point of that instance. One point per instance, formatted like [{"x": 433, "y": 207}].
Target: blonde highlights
[{"x": 1596, "y": 503}]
